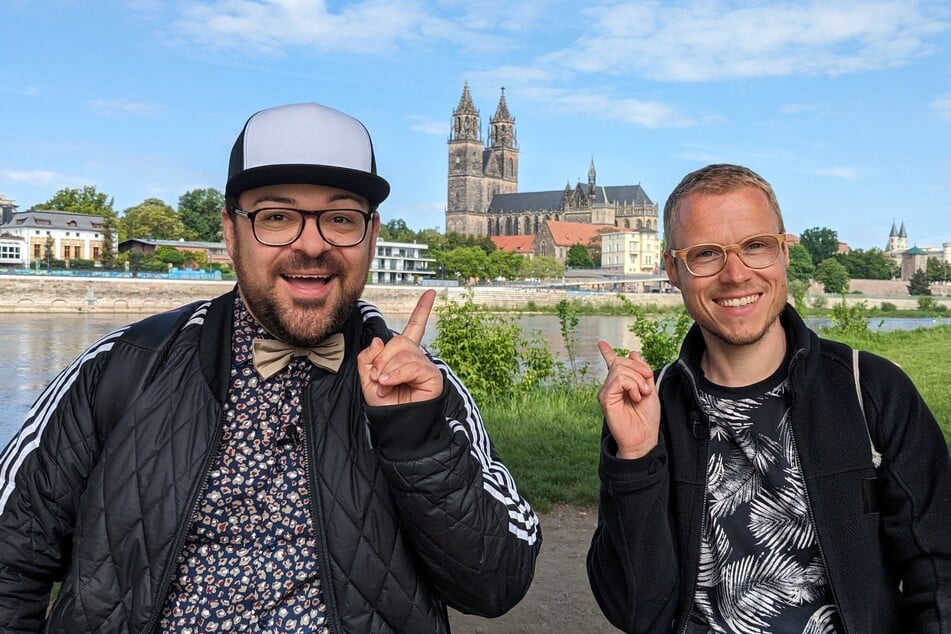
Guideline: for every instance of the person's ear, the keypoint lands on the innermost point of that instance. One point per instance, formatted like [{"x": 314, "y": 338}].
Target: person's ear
[{"x": 670, "y": 266}]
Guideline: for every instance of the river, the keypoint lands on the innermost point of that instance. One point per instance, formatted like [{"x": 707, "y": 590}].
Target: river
[{"x": 38, "y": 346}]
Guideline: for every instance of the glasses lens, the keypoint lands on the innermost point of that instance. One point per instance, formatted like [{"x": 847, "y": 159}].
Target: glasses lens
[
  {"x": 277, "y": 226},
  {"x": 758, "y": 252},
  {"x": 343, "y": 227},
  {"x": 705, "y": 259}
]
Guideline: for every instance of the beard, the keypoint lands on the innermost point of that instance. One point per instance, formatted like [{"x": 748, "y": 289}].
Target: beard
[{"x": 299, "y": 322}]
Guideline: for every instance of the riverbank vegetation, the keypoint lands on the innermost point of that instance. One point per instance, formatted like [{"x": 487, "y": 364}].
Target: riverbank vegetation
[{"x": 543, "y": 414}]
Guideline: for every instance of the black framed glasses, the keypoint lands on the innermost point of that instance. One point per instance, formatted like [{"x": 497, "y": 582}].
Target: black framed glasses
[
  {"x": 280, "y": 226},
  {"x": 756, "y": 252}
]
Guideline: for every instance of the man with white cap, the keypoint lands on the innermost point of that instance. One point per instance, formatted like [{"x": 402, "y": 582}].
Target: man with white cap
[{"x": 275, "y": 459}]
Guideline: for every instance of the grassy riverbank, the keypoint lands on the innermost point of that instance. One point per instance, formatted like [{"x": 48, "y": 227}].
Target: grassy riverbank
[{"x": 549, "y": 438}]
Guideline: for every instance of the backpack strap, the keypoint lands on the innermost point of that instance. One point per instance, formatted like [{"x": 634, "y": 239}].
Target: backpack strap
[
  {"x": 876, "y": 455},
  {"x": 660, "y": 377}
]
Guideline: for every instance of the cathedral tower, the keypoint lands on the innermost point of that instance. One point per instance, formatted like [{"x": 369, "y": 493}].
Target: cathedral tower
[{"x": 478, "y": 171}]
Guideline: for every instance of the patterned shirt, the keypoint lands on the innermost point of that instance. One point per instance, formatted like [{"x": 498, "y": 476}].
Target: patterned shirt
[
  {"x": 761, "y": 569},
  {"x": 249, "y": 562}
]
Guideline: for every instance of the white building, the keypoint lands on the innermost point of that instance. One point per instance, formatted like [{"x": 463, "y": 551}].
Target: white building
[
  {"x": 400, "y": 263},
  {"x": 70, "y": 236},
  {"x": 630, "y": 252}
]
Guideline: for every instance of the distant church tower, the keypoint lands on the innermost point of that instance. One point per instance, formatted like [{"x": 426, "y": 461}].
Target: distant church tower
[
  {"x": 897, "y": 240},
  {"x": 478, "y": 171}
]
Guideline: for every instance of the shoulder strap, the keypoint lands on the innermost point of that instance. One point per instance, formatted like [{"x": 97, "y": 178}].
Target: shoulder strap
[
  {"x": 660, "y": 377},
  {"x": 876, "y": 456}
]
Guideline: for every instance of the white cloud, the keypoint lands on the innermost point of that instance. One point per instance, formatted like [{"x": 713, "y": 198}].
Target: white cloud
[
  {"x": 427, "y": 126},
  {"x": 705, "y": 41},
  {"x": 942, "y": 105},
  {"x": 272, "y": 27},
  {"x": 122, "y": 106},
  {"x": 40, "y": 177},
  {"x": 844, "y": 173}
]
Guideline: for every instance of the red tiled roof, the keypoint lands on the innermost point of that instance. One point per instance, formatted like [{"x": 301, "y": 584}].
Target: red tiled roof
[
  {"x": 566, "y": 234},
  {"x": 514, "y": 244}
]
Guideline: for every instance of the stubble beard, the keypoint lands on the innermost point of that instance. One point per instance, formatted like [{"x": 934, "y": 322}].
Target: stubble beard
[
  {"x": 302, "y": 323},
  {"x": 746, "y": 339}
]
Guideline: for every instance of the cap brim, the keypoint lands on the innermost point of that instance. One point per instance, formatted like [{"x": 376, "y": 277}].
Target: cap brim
[{"x": 374, "y": 188}]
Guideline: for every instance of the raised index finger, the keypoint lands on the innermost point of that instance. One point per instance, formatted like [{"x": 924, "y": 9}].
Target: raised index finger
[{"x": 416, "y": 326}]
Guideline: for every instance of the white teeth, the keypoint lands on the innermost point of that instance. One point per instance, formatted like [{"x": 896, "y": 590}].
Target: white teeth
[
  {"x": 309, "y": 277},
  {"x": 739, "y": 301}
]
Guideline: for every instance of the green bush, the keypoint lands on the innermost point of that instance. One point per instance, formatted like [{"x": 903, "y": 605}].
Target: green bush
[
  {"x": 888, "y": 307},
  {"x": 660, "y": 338},
  {"x": 489, "y": 352},
  {"x": 850, "y": 321}
]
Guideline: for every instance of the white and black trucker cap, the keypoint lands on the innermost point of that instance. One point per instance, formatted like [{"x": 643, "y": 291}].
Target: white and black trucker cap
[{"x": 305, "y": 143}]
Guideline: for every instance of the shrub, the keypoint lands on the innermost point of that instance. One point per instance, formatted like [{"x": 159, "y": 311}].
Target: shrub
[
  {"x": 660, "y": 338},
  {"x": 888, "y": 307},
  {"x": 850, "y": 321},
  {"x": 489, "y": 352},
  {"x": 927, "y": 303}
]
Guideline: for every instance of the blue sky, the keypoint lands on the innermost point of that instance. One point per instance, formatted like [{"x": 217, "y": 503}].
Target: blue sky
[{"x": 844, "y": 106}]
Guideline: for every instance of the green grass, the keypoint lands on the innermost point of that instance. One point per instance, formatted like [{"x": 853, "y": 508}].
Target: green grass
[
  {"x": 549, "y": 439},
  {"x": 925, "y": 356}
]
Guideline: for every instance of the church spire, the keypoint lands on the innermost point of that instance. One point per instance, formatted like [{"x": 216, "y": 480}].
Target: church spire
[
  {"x": 465, "y": 118},
  {"x": 502, "y": 112}
]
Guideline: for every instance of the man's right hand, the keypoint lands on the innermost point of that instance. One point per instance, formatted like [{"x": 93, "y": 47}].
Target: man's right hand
[{"x": 630, "y": 403}]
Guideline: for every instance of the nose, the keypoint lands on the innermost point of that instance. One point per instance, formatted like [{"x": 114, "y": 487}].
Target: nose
[
  {"x": 733, "y": 268},
  {"x": 310, "y": 242}
]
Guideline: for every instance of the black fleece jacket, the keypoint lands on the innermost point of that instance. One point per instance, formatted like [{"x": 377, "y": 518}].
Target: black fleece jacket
[{"x": 885, "y": 534}]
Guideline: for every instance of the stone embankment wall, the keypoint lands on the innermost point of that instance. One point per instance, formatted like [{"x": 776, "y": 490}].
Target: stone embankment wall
[
  {"x": 145, "y": 296},
  {"x": 41, "y": 294}
]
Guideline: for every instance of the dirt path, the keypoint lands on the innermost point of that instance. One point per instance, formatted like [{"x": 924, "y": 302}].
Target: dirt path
[{"x": 560, "y": 599}]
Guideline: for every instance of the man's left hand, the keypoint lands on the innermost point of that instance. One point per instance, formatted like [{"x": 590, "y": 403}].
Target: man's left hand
[{"x": 399, "y": 371}]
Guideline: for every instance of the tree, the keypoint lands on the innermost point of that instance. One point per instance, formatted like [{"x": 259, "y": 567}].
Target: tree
[
  {"x": 504, "y": 264},
  {"x": 867, "y": 265},
  {"x": 800, "y": 264},
  {"x": 395, "y": 230},
  {"x": 938, "y": 271},
  {"x": 833, "y": 276},
  {"x": 540, "y": 267},
  {"x": 153, "y": 219},
  {"x": 820, "y": 242},
  {"x": 578, "y": 256},
  {"x": 918, "y": 284},
  {"x": 81, "y": 201},
  {"x": 200, "y": 214},
  {"x": 465, "y": 263},
  {"x": 170, "y": 255},
  {"x": 109, "y": 229}
]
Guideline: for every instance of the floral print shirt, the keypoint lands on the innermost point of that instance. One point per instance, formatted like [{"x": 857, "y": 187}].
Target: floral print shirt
[{"x": 249, "y": 562}]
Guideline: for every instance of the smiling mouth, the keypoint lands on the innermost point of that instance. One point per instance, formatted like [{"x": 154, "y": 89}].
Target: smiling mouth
[{"x": 736, "y": 302}]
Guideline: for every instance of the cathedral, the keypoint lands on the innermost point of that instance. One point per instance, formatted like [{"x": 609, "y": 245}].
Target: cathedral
[{"x": 483, "y": 197}]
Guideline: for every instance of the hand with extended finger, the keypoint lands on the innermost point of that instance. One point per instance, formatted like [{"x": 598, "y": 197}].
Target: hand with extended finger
[
  {"x": 630, "y": 403},
  {"x": 399, "y": 372}
]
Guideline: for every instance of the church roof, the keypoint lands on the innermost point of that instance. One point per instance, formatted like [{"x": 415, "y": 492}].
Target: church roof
[
  {"x": 514, "y": 244},
  {"x": 551, "y": 200},
  {"x": 566, "y": 234},
  {"x": 916, "y": 251}
]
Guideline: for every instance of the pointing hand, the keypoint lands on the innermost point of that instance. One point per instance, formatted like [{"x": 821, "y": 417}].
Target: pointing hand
[
  {"x": 630, "y": 403},
  {"x": 399, "y": 371}
]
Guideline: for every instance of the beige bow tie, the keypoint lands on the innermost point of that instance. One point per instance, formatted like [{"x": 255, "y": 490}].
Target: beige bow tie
[{"x": 272, "y": 355}]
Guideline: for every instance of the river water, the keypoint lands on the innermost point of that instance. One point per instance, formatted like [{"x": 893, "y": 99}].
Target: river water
[{"x": 38, "y": 346}]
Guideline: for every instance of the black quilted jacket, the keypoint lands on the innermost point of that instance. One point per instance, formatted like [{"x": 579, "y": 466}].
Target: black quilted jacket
[{"x": 416, "y": 512}]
